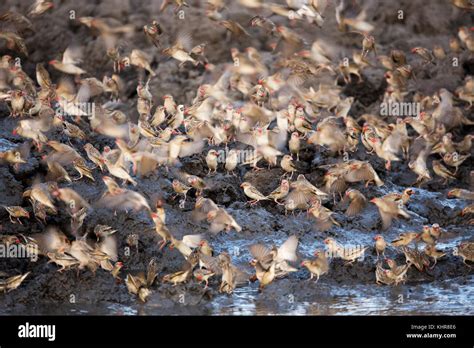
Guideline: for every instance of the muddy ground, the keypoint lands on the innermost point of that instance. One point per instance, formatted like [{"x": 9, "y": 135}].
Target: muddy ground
[{"x": 447, "y": 289}]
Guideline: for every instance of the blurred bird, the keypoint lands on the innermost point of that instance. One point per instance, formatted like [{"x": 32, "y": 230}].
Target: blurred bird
[
  {"x": 153, "y": 32},
  {"x": 388, "y": 211},
  {"x": 68, "y": 65}
]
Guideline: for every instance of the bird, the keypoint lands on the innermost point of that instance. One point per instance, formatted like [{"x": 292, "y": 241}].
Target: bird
[
  {"x": 357, "y": 202},
  {"x": 383, "y": 276},
  {"x": 212, "y": 161},
  {"x": 461, "y": 194},
  {"x": 39, "y": 7},
  {"x": 388, "y": 211},
  {"x": 251, "y": 192},
  {"x": 12, "y": 283},
  {"x": 68, "y": 65},
  {"x": 322, "y": 216},
  {"x": 280, "y": 192},
  {"x": 287, "y": 165},
  {"x": 397, "y": 272},
  {"x": 416, "y": 258},
  {"x": 272, "y": 262},
  {"x": 380, "y": 245},
  {"x": 203, "y": 275},
  {"x": 181, "y": 48},
  {"x": 319, "y": 266},
  {"x": 153, "y": 32},
  {"x": 17, "y": 212},
  {"x": 465, "y": 250},
  {"x": 141, "y": 60},
  {"x": 404, "y": 239},
  {"x": 443, "y": 172},
  {"x": 424, "y": 53},
  {"x": 349, "y": 254},
  {"x": 434, "y": 253}
]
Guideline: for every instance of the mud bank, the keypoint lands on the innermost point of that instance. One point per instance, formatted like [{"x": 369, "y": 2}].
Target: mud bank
[{"x": 446, "y": 289}]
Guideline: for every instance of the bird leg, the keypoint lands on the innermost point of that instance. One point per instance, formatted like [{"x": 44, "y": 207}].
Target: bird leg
[{"x": 163, "y": 243}]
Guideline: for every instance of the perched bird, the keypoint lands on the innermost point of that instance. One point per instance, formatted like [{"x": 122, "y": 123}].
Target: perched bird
[
  {"x": 231, "y": 161},
  {"x": 465, "y": 250},
  {"x": 424, "y": 53},
  {"x": 397, "y": 272},
  {"x": 434, "y": 253},
  {"x": 416, "y": 258},
  {"x": 17, "y": 212},
  {"x": 280, "y": 192},
  {"x": 461, "y": 193},
  {"x": 404, "y": 239},
  {"x": 383, "y": 276},
  {"x": 319, "y": 266},
  {"x": 455, "y": 160},
  {"x": 349, "y": 254},
  {"x": 287, "y": 165},
  {"x": 212, "y": 161},
  {"x": 11, "y": 283},
  {"x": 380, "y": 245},
  {"x": 442, "y": 171},
  {"x": 251, "y": 192}
]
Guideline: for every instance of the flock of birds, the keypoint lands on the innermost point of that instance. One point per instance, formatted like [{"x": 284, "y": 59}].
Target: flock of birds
[{"x": 262, "y": 100}]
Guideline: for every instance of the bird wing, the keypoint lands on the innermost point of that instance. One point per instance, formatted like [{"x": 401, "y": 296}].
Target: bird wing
[
  {"x": 300, "y": 198},
  {"x": 151, "y": 272},
  {"x": 184, "y": 41},
  {"x": 189, "y": 148},
  {"x": 386, "y": 219},
  {"x": 72, "y": 55},
  {"x": 259, "y": 251},
  {"x": 211, "y": 263},
  {"x": 356, "y": 206},
  {"x": 287, "y": 251},
  {"x": 192, "y": 240},
  {"x": 205, "y": 206},
  {"x": 109, "y": 246}
]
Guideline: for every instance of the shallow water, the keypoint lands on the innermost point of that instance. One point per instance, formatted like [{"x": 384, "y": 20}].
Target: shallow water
[{"x": 442, "y": 298}]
